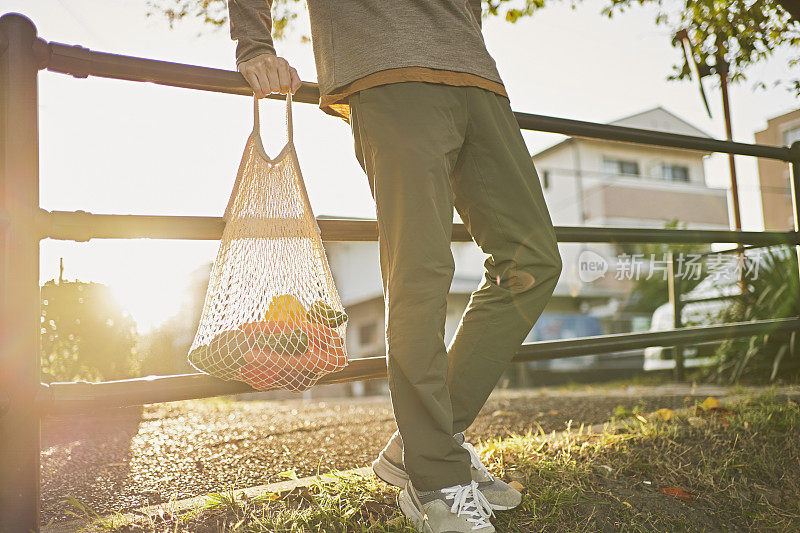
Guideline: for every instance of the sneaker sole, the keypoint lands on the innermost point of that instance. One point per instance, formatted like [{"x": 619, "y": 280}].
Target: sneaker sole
[
  {"x": 411, "y": 512},
  {"x": 397, "y": 477},
  {"x": 389, "y": 473},
  {"x": 503, "y": 507}
]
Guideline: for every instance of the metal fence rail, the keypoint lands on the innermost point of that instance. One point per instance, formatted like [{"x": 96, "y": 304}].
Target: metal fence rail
[
  {"x": 82, "y": 62},
  {"x": 23, "y": 399},
  {"x": 81, "y": 396},
  {"x": 83, "y": 226}
]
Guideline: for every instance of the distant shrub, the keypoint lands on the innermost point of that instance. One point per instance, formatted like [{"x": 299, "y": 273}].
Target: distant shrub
[
  {"x": 85, "y": 333},
  {"x": 771, "y": 281}
]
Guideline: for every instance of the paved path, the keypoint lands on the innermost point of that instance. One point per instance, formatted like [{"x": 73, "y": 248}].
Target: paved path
[{"x": 143, "y": 456}]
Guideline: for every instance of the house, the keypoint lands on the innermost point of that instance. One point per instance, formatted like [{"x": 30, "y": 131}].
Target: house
[
  {"x": 586, "y": 182},
  {"x": 773, "y": 175}
]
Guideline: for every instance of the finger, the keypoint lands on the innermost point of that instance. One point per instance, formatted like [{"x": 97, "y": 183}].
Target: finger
[
  {"x": 271, "y": 80},
  {"x": 252, "y": 79},
  {"x": 296, "y": 83},
  {"x": 284, "y": 78},
  {"x": 263, "y": 82}
]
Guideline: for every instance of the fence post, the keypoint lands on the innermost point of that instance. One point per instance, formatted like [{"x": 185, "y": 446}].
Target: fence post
[
  {"x": 19, "y": 277},
  {"x": 794, "y": 177},
  {"x": 674, "y": 284}
]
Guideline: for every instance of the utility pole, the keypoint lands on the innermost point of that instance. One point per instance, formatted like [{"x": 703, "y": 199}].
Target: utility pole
[{"x": 722, "y": 70}]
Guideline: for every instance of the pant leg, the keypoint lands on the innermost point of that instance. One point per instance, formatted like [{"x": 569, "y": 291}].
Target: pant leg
[
  {"x": 407, "y": 138},
  {"x": 499, "y": 197}
]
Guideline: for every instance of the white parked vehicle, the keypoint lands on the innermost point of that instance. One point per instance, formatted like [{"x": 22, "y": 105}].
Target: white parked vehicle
[{"x": 693, "y": 314}]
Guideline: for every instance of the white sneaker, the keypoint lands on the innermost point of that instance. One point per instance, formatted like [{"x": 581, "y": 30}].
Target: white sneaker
[
  {"x": 501, "y": 495},
  {"x": 457, "y": 509},
  {"x": 389, "y": 467}
]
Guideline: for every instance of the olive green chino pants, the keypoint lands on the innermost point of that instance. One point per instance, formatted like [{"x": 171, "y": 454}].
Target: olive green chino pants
[{"x": 427, "y": 148}]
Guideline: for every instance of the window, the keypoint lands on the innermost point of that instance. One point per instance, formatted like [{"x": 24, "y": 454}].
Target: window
[
  {"x": 621, "y": 167},
  {"x": 668, "y": 171},
  {"x": 367, "y": 334},
  {"x": 791, "y": 135}
]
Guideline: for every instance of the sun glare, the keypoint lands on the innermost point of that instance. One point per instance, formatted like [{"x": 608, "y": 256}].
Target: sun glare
[
  {"x": 148, "y": 277},
  {"x": 150, "y": 300}
]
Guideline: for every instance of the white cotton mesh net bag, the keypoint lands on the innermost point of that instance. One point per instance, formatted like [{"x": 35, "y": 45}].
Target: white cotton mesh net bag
[{"x": 272, "y": 317}]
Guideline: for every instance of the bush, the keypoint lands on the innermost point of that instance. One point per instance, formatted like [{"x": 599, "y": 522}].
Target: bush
[
  {"x": 771, "y": 291},
  {"x": 85, "y": 333}
]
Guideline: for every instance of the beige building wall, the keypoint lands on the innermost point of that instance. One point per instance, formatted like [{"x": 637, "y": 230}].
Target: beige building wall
[
  {"x": 581, "y": 191},
  {"x": 773, "y": 176},
  {"x": 636, "y": 202}
]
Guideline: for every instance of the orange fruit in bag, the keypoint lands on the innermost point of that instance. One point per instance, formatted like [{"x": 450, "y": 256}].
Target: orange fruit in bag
[
  {"x": 286, "y": 308},
  {"x": 295, "y": 359}
]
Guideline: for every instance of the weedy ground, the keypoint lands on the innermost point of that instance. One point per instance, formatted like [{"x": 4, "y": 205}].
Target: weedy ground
[{"x": 720, "y": 468}]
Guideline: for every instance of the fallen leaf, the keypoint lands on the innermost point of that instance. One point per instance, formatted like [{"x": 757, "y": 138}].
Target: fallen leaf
[
  {"x": 554, "y": 412},
  {"x": 516, "y": 485},
  {"x": 664, "y": 414},
  {"x": 289, "y": 474},
  {"x": 696, "y": 421},
  {"x": 606, "y": 468},
  {"x": 710, "y": 410},
  {"x": 515, "y": 475},
  {"x": 677, "y": 492},
  {"x": 503, "y": 413},
  {"x": 640, "y": 418},
  {"x": 710, "y": 403}
]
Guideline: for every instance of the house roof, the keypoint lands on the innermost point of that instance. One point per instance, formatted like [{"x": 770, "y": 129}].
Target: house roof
[{"x": 657, "y": 119}]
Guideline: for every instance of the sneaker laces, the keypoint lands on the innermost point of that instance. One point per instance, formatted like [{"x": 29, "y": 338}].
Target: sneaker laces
[
  {"x": 476, "y": 460},
  {"x": 468, "y": 501}
]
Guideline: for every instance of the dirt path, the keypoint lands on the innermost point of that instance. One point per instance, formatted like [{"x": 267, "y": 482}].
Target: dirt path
[{"x": 134, "y": 457}]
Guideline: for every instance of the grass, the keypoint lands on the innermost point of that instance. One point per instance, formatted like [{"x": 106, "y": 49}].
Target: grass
[
  {"x": 647, "y": 379},
  {"x": 333, "y": 503},
  {"x": 724, "y": 469}
]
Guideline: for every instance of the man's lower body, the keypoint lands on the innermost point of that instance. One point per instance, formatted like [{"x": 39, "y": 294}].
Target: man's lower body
[{"x": 427, "y": 149}]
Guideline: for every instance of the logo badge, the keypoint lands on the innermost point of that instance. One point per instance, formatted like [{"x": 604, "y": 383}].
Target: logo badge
[{"x": 591, "y": 266}]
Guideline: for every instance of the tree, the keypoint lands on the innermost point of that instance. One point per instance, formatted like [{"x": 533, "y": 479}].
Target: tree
[
  {"x": 726, "y": 35},
  {"x": 742, "y": 32},
  {"x": 86, "y": 334},
  {"x": 215, "y": 12}
]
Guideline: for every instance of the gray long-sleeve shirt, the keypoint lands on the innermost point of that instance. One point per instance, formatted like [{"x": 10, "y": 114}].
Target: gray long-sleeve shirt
[{"x": 356, "y": 38}]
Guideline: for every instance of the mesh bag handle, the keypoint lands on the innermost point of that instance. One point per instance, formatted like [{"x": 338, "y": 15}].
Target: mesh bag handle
[
  {"x": 289, "y": 127},
  {"x": 272, "y": 316},
  {"x": 255, "y": 135}
]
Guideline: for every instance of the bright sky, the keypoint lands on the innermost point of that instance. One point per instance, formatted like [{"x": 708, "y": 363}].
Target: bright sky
[{"x": 121, "y": 147}]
